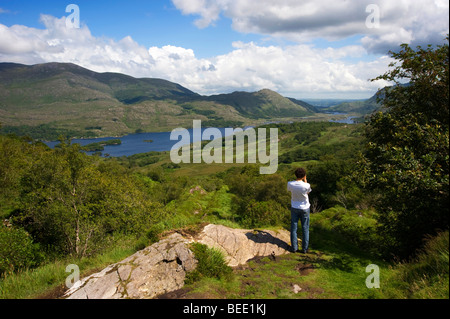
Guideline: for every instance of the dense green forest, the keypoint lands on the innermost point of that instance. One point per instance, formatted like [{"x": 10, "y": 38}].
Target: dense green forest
[{"x": 382, "y": 185}]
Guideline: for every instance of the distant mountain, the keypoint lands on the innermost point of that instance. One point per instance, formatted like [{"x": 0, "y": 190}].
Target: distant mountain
[
  {"x": 359, "y": 107},
  {"x": 68, "y": 79},
  {"x": 324, "y": 103},
  {"x": 65, "y": 96},
  {"x": 309, "y": 107},
  {"x": 263, "y": 104}
]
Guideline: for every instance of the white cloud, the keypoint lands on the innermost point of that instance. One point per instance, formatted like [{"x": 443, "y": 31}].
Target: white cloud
[
  {"x": 57, "y": 43},
  {"x": 295, "y": 71},
  {"x": 413, "y": 21},
  {"x": 208, "y": 10}
]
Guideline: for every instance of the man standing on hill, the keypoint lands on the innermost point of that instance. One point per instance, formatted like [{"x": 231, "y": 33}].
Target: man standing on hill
[{"x": 300, "y": 209}]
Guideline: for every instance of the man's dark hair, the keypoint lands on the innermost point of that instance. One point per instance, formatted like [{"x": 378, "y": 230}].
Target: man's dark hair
[{"x": 300, "y": 173}]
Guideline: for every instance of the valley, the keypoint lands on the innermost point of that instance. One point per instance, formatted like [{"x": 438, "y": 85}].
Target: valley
[{"x": 53, "y": 99}]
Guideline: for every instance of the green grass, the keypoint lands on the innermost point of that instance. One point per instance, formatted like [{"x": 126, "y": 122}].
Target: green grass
[
  {"x": 211, "y": 264},
  {"x": 320, "y": 275},
  {"x": 334, "y": 269},
  {"x": 48, "y": 281},
  {"x": 343, "y": 245},
  {"x": 427, "y": 275},
  {"x": 328, "y": 272}
]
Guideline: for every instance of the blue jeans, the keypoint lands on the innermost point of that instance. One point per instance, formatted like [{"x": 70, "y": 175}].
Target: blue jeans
[{"x": 303, "y": 215}]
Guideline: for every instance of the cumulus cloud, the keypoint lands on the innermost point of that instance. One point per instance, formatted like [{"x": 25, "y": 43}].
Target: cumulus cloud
[
  {"x": 298, "y": 70},
  {"x": 413, "y": 21},
  {"x": 209, "y": 11},
  {"x": 58, "y": 43},
  {"x": 294, "y": 71}
]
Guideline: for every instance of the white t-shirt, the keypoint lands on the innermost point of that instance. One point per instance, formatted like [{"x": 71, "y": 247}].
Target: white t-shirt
[{"x": 300, "y": 191}]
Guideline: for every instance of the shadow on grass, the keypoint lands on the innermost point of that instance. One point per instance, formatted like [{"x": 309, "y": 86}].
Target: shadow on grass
[{"x": 332, "y": 250}]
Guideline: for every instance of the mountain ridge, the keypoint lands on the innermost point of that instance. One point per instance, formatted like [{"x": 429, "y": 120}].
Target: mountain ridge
[
  {"x": 68, "y": 96},
  {"x": 362, "y": 107}
]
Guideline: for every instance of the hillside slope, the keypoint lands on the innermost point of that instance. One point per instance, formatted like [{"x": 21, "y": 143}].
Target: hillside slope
[
  {"x": 68, "y": 79},
  {"x": 359, "y": 107},
  {"x": 262, "y": 104},
  {"x": 65, "y": 96}
]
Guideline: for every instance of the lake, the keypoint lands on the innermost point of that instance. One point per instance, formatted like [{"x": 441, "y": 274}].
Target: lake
[
  {"x": 133, "y": 143},
  {"x": 347, "y": 120},
  {"x": 138, "y": 143}
]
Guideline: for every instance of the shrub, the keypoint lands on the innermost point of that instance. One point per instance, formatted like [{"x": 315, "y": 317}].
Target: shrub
[
  {"x": 17, "y": 250},
  {"x": 266, "y": 213},
  {"x": 358, "y": 227},
  {"x": 211, "y": 264},
  {"x": 259, "y": 200},
  {"x": 427, "y": 275},
  {"x": 70, "y": 204}
]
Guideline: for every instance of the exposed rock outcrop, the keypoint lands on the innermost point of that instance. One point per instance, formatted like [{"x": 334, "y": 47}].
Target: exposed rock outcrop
[
  {"x": 162, "y": 267},
  {"x": 154, "y": 270},
  {"x": 240, "y": 245}
]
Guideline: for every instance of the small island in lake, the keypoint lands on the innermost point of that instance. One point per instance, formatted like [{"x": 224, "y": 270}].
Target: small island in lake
[{"x": 100, "y": 146}]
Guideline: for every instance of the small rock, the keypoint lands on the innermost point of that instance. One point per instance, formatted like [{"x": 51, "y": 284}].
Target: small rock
[{"x": 296, "y": 289}]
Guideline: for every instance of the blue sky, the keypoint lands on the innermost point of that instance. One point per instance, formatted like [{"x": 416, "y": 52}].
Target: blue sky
[
  {"x": 150, "y": 23},
  {"x": 302, "y": 49}
]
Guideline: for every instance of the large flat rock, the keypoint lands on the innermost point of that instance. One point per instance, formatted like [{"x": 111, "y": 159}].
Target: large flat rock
[
  {"x": 162, "y": 267},
  {"x": 240, "y": 245},
  {"x": 155, "y": 270}
]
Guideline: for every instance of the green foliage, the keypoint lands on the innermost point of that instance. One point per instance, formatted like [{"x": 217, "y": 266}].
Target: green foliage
[
  {"x": 222, "y": 123},
  {"x": 45, "y": 281},
  {"x": 45, "y": 132},
  {"x": 329, "y": 152},
  {"x": 358, "y": 227},
  {"x": 170, "y": 166},
  {"x": 154, "y": 232},
  {"x": 100, "y": 146},
  {"x": 259, "y": 200},
  {"x": 211, "y": 264},
  {"x": 67, "y": 201},
  {"x": 427, "y": 275},
  {"x": 304, "y": 142},
  {"x": 407, "y": 154},
  {"x": 163, "y": 188},
  {"x": 64, "y": 202},
  {"x": 265, "y": 213},
  {"x": 318, "y": 151},
  {"x": 325, "y": 177},
  {"x": 263, "y": 104},
  {"x": 140, "y": 160},
  {"x": 17, "y": 250}
]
